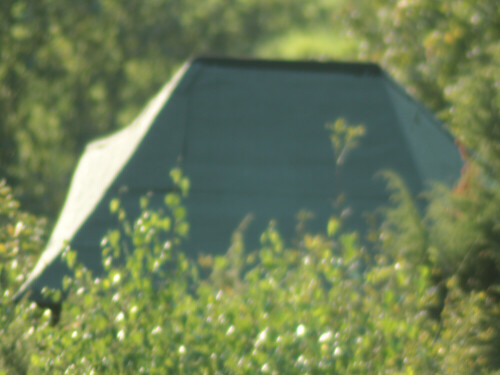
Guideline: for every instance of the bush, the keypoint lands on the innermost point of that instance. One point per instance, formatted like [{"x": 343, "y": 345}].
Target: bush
[
  {"x": 324, "y": 305},
  {"x": 21, "y": 239}
]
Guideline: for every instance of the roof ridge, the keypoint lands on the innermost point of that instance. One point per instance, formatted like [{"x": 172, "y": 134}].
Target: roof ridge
[{"x": 315, "y": 65}]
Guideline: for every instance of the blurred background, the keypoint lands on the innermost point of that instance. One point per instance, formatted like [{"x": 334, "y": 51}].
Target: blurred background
[{"x": 72, "y": 72}]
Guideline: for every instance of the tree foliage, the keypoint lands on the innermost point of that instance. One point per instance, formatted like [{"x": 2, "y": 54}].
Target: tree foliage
[
  {"x": 446, "y": 53},
  {"x": 70, "y": 74},
  {"x": 21, "y": 237}
]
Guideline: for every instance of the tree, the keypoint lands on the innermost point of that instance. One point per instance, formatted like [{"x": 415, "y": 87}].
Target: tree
[
  {"x": 70, "y": 74},
  {"x": 446, "y": 53}
]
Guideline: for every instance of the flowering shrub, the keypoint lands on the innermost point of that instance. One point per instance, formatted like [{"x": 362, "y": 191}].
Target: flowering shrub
[{"x": 325, "y": 305}]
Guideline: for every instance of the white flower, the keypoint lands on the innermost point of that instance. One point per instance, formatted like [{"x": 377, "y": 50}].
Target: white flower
[
  {"x": 325, "y": 336},
  {"x": 120, "y": 335},
  {"x": 302, "y": 360},
  {"x": 156, "y": 330},
  {"x": 261, "y": 337},
  {"x": 337, "y": 352},
  {"x": 120, "y": 317},
  {"x": 301, "y": 330}
]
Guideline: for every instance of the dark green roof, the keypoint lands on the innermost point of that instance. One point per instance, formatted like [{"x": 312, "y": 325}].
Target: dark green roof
[{"x": 251, "y": 136}]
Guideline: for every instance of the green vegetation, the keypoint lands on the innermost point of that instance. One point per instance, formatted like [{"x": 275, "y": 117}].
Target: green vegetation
[
  {"x": 424, "y": 299},
  {"x": 71, "y": 73},
  {"x": 325, "y": 305}
]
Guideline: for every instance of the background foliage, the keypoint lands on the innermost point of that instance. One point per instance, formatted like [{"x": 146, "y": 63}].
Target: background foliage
[
  {"x": 71, "y": 73},
  {"x": 446, "y": 54},
  {"x": 425, "y": 297}
]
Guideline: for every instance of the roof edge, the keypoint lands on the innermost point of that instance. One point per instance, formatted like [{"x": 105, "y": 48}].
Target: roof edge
[{"x": 320, "y": 66}]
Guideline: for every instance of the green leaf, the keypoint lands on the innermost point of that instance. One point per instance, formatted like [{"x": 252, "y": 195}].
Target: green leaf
[
  {"x": 333, "y": 226},
  {"x": 114, "y": 205}
]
